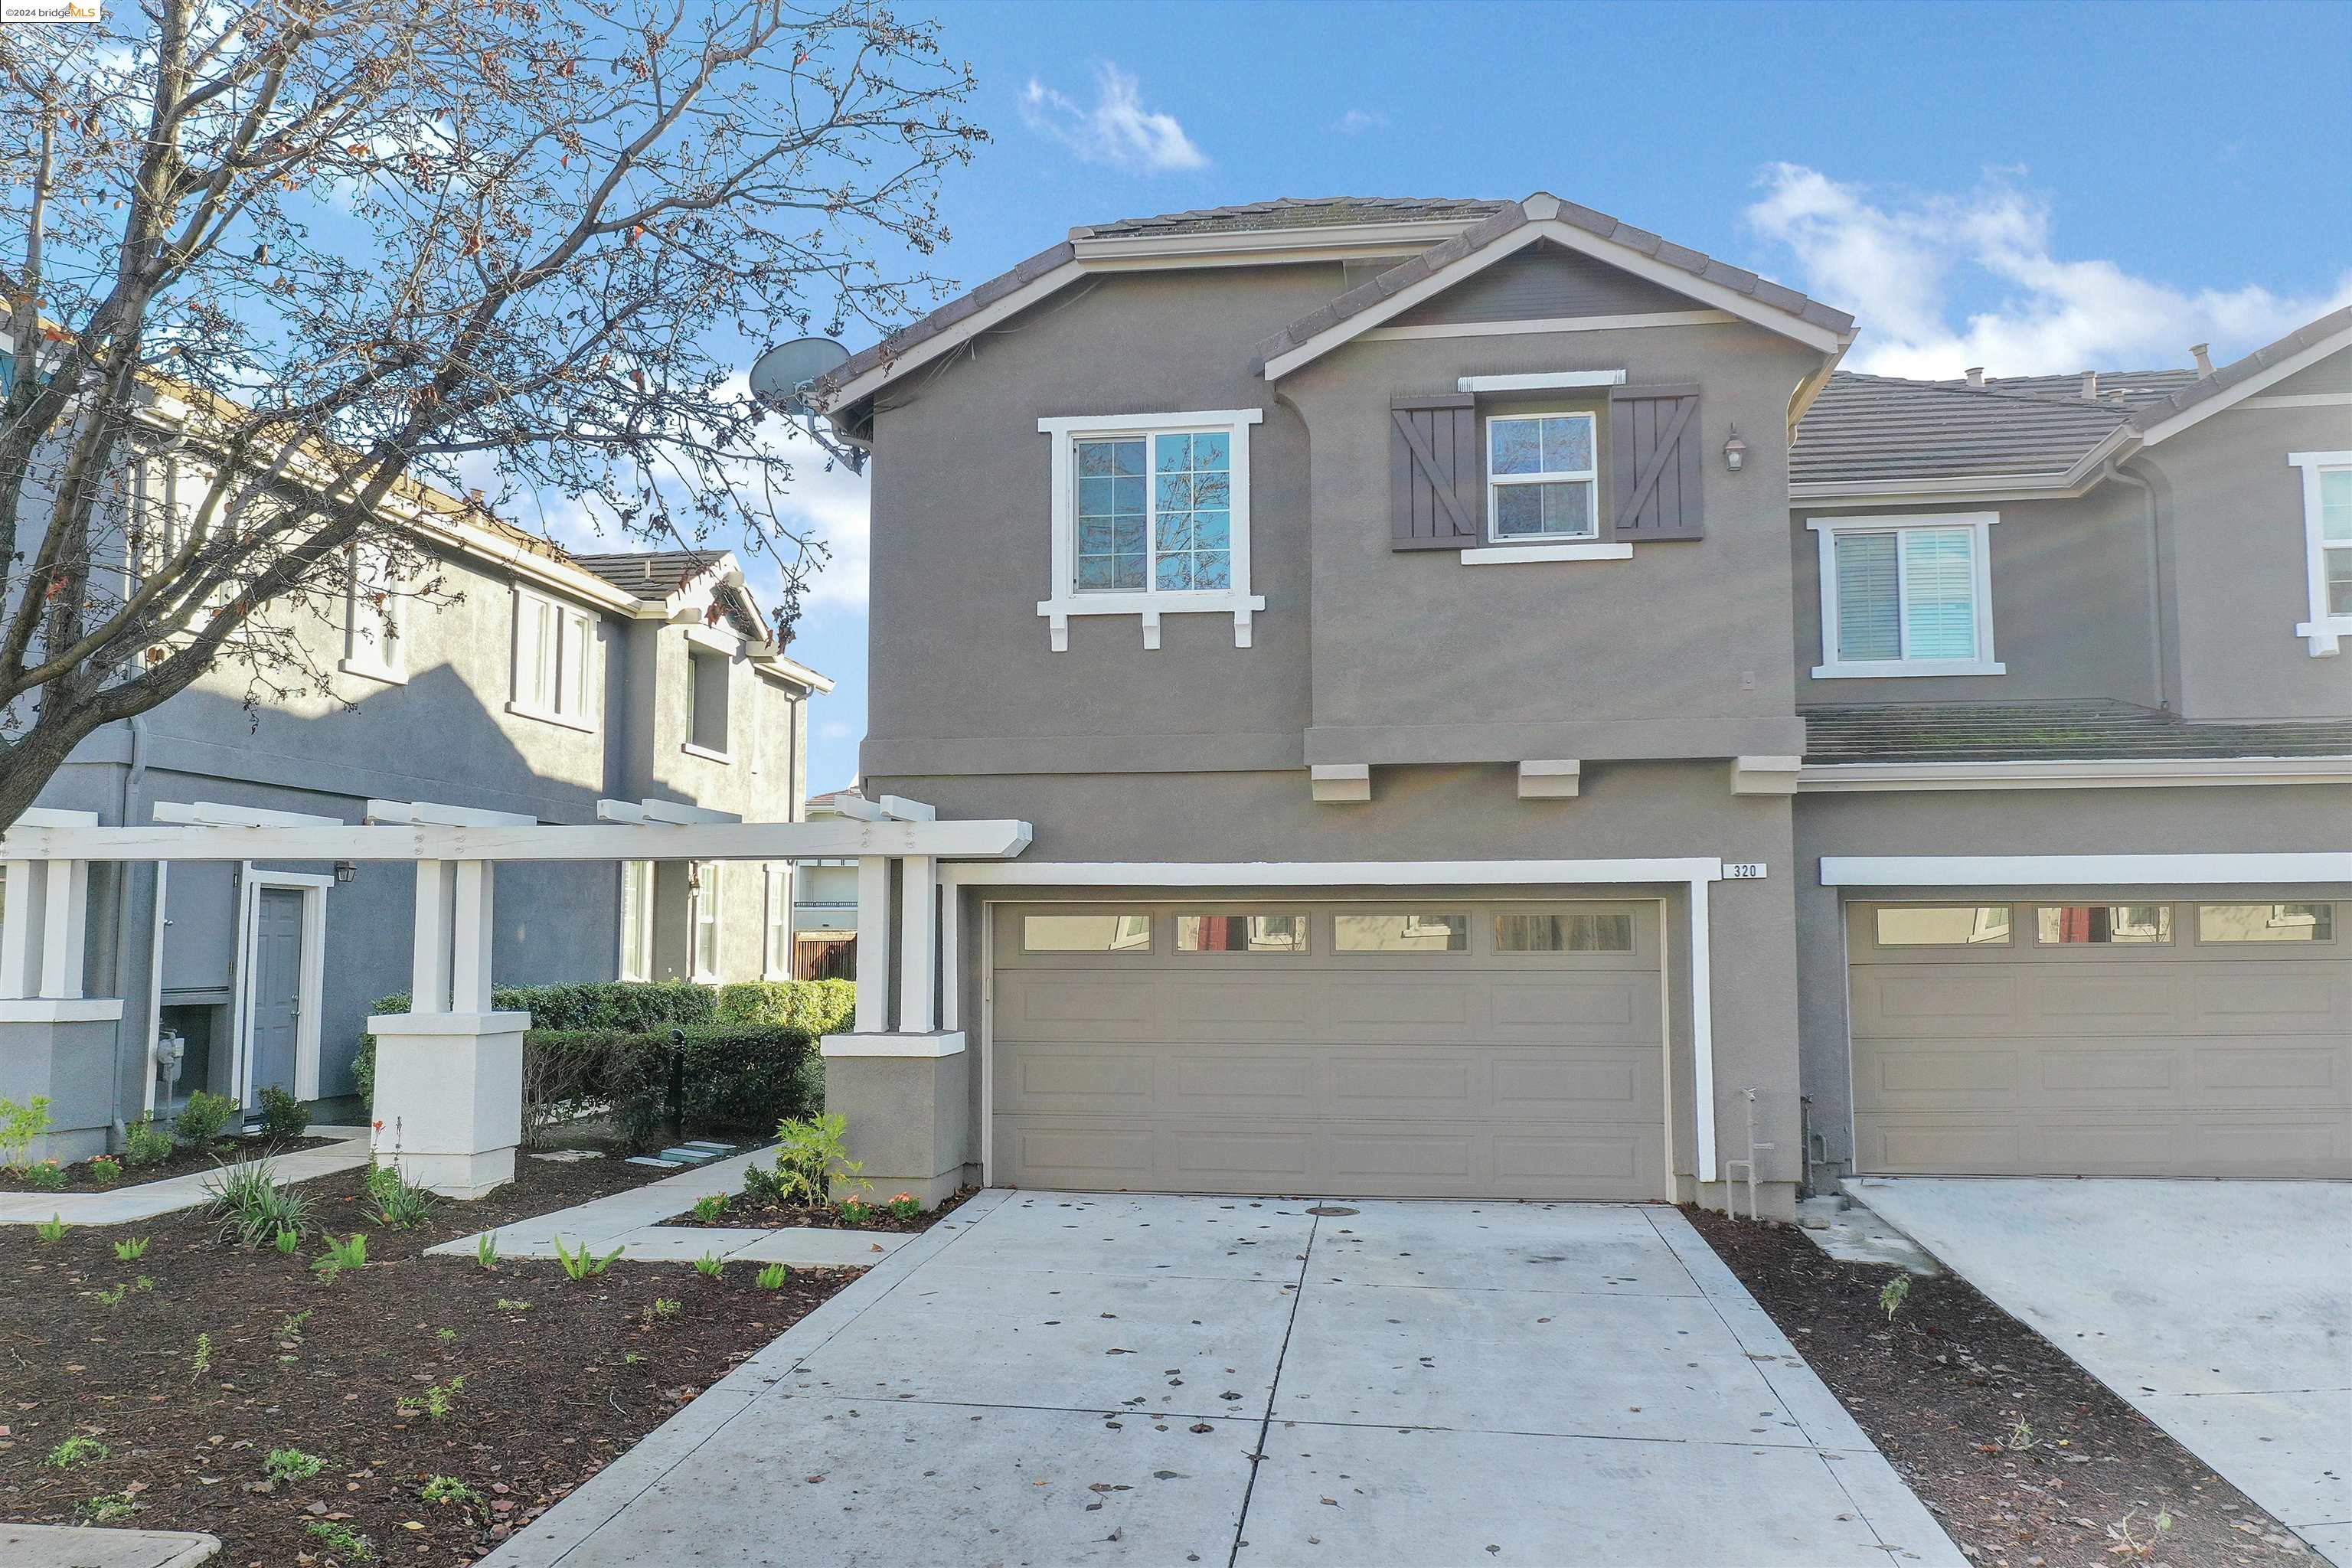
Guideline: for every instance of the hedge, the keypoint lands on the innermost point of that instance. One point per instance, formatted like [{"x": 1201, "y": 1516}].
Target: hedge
[{"x": 820, "y": 1007}]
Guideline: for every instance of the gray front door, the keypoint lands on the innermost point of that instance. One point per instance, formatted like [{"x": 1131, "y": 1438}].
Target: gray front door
[
  {"x": 276, "y": 987},
  {"x": 1402, "y": 1047}
]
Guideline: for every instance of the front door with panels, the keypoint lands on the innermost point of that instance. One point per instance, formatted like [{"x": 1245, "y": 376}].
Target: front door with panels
[
  {"x": 1401, "y": 1047},
  {"x": 277, "y": 994}
]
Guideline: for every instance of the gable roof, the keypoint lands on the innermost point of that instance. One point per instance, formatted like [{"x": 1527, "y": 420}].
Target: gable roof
[
  {"x": 2240, "y": 379},
  {"x": 1880, "y": 430},
  {"x": 1297, "y": 212}
]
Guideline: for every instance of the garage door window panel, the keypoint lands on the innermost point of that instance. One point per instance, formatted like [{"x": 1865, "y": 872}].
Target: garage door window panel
[
  {"x": 1273, "y": 933},
  {"x": 1607, "y": 931},
  {"x": 2103, "y": 925},
  {"x": 1401, "y": 932},
  {"x": 1942, "y": 925},
  {"x": 2233, "y": 924},
  {"x": 1107, "y": 934}
]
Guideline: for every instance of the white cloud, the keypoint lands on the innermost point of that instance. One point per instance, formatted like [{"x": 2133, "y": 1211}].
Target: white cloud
[
  {"x": 1896, "y": 259},
  {"x": 1356, "y": 122},
  {"x": 1118, "y": 130}
]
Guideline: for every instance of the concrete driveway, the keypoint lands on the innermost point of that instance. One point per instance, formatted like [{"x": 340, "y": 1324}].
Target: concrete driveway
[
  {"x": 1054, "y": 1378},
  {"x": 2222, "y": 1310}
]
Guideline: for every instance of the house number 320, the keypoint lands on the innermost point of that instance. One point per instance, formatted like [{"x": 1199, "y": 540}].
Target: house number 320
[{"x": 1743, "y": 871}]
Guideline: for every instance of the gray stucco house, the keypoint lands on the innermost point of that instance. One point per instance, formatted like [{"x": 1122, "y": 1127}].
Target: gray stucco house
[
  {"x": 1502, "y": 713},
  {"x": 555, "y": 686}
]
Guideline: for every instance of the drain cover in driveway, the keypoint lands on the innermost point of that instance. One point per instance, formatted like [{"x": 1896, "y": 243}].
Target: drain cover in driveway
[{"x": 1332, "y": 1211}]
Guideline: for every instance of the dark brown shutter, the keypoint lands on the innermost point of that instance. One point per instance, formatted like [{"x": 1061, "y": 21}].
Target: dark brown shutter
[
  {"x": 1653, "y": 463},
  {"x": 1436, "y": 483}
]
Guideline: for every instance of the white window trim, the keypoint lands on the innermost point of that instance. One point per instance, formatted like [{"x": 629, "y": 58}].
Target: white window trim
[
  {"x": 1518, "y": 544},
  {"x": 2324, "y": 632},
  {"x": 384, "y": 655},
  {"x": 705, "y": 894},
  {"x": 573, "y": 710},
  {"x": 1149, "y": 603},
  {"x": 637, "y": 965},
  {"x": 1825, "y": 532},
  {"x": 779, "y": 879}
]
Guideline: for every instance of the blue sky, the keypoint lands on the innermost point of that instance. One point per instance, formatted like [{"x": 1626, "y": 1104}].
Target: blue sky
[{"x": 2028, "y": 187}]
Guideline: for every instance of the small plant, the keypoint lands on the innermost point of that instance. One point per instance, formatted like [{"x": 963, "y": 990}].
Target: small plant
[
  {"x": 106, "y": 1508},
  {"x": 202, "y": 1362},
  {"x": 132, "y": 1250},
  {"x": 666, "y": 1308},
  {"x": 289, "y": 1327},
  {"x": 2021, "y": 1435},
  {"x": 52, "y": 1228},
  {"x": 287, "y": 1241},
  {"x": 448, "y": 1489},
  {"x": 19, "y": 1125},
  {"x": 144, "y": 1283},
  {"x": 434, "y": 1402},
  {"x": 204, "y": 1118},
  {"x": 340, "y": 1538},
  {"x": 812, "y": 1158},
  {"x": 283, "y": 1115},
  {"x": 144, "y": 1143},
  {"x": 446, "y": 1336},
  {"x": 105, "y": 1170},
  {"x": 854, "y": 1212},
  {"x": 1892, "y": 1297},
  {"x": 583, "y": 1264},
  {"x": 342, "y": 1255},
  {"x": 507, "y": 1306},
  {"x": 710, "y": 1208},
  {"x": 710, "y": 1265},
  {"x": 288, "y": 1465},
  {"x": 772, "y": 1276},
  {"x": 2127, "y": 1541},
  {"x": 252, "y": 1208},
  {"x": 48, "y": 1177},
  {"x": 486, "y": 1249},
  {"x": 905, "y": 1207},
  {"x": 393, "y": 1203},
  {"x": 112, "y": 1298},
  {"x": 76, "y": 1451}
]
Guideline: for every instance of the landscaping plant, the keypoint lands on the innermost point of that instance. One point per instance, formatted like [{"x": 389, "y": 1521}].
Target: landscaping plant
[
  {"x": 52, "y": 1228},
  {"x": 286, "y": 1241},
  {"x": 342, "y": 1255},
  {"x": 283, "y": 1115},
  {"x": 143, "y": 1143},
  {"x": 448, "y": 1489},
  {"x": 204, "y": 1118},
  {"x": 812, "y": 1158},
  {"x": 19, "y": 1125},
  {"x": 252, "y": 1209},
  {"x": 707, "y": 1209},
  {"x": 105, "y": 1170},
  {"x": 486, "y": 1249},
  {"x": 905, "y": 1207},
  {"x": 854, "y": 1212},
  {"x": 393, "y": 1203},
  {"x": 340, "y": 1538},
  {"x": 202, "y": 1362},
  {"x": 710, "y": 1265},
  {"x": 1891, "y": 1299},
  {"x": 583, "y": 1264},
  {"x": 106, "y": 1508},
  {"x": 48, "y": 1177},
  {"x": 290, "y": 1465},
  {"x": 772, "y": 1276},
  {"x": 434, "y": 1403},
  {"x": 132, "y": 1250},
  {"x": 76, "y": 1451}
]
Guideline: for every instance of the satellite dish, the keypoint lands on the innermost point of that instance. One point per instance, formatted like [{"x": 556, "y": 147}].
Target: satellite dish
[{"x": 778, "y": 376}]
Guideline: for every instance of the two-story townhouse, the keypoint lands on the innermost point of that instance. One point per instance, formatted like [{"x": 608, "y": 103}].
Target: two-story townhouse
[
  {"x": 530, "y": 683},
  {"x": 1383, "y": 610}
]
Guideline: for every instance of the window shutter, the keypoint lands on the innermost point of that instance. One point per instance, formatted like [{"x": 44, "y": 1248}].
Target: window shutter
[
  {"x": 1653, "y": 463},
  {"x": 1436, "y": 478}
]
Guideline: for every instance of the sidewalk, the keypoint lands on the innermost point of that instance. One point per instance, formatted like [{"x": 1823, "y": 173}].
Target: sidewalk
[{"x": 131, "y": 1202}]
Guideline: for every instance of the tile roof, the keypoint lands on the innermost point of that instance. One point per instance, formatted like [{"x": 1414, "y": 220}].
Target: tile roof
[
  {"x": 2051, "y": 732},
  {"x": 1297, "y": 212},
  {"x": 653, "y": 575},
  {"x": 2229, "y": 375},
  {"x": 1878, "y": 427}
]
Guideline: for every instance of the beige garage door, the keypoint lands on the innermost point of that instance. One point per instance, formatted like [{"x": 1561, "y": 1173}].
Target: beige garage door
[
  {"x": 2181, "y": 1039},
  {"x": 1404, "y": 1047}
]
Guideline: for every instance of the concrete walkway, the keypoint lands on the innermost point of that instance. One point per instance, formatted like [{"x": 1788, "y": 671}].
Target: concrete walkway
[
  {"x": 631, "y": 1221},
  {"x": 131, "y": 1202},
  {"x": 78, "y": 1546},
  {"x": 1054, "y": 1378},
  {"x": 2220, "y": 1311}
]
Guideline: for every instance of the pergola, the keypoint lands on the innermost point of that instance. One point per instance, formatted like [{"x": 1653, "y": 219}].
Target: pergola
[{"x": 448, "y": 1105}]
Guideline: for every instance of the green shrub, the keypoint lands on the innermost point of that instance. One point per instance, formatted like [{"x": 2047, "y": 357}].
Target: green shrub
[
  {"x": 205, "y": 1118},
  {"x": 820, "y": 1007},
  {"x": 48, "y": 1177},
  {"x": 741, "y": 1077},
  {"x": 143, "y": 1143},
  {"x": 363, "y": 1064},
  {"x": 636, "y": 1005},
  {"x": 283, "y": 1115},
  {"x": 393, "y": 1203},
  {"x": 19, "y": 1125},
  {"x": 105, "y": 1170},
  {"x": 251, "y": 1208}
]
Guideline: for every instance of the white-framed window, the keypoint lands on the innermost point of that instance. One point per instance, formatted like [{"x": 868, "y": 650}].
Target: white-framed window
[
  {"x": 706, "y": 686},
  {"x": 703, "y": 920},
  {"x": 1906, "y": 596},
  {"x": 376, "y": 615},
  {"x": 2328, "y": 547},
  {"x": 776, "y": 949},
  {"x": 636, "y": 919},
  {"x": 1150, "y": 517},
  {"x": 554, "y": 661},
  {"x": 1543, "y": 481}
]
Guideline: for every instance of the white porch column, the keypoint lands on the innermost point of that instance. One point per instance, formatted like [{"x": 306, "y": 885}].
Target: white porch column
[
  {"x": 53, "y": 1039},
  {"x": 918, "y": 951},
  {"x": 873, "y": 943},
  {"x": 448, "y": 1073}
]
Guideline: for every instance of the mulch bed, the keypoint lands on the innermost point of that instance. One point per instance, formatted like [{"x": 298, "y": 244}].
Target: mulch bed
[
  {"x": 293, "y": 1362},
  {"x": 179, "y": 1162},
  {"x": 2026, "y": 1459},
  {"x": 743, "y": 1215}
]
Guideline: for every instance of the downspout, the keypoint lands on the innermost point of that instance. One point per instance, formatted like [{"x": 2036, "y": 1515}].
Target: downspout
[
  {"x": 132, "y": 777},
  {"x": 2113, "y": 470}
]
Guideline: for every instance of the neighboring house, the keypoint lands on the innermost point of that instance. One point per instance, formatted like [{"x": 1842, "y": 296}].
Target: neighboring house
[
  {"x": 560, "y": 688},
  {"x": 824, "y": 906},
  {"x": 1490, "y": 694}
]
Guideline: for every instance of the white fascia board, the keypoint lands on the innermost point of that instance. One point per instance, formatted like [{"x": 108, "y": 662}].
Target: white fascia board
[
  {"x": 2269, "y": 376},
  {"x": 939, "y": 343},
  {"x": 2301, "y": 400},
  {"x": 1082, "y": 424},
  {"x": 1537, "y": 326},
  {"x": 2150, "y": 772},
  {"x": 548, "y": 571},
  {"x": 781, "y": 666},
  {"x": 2082, "y": 871},
  {"x": 1261, "y": 247},
  {"x": 1541, "y": 381},
  {"x": 838, "y": 839},
  {"x": 1329, "y": 873}
]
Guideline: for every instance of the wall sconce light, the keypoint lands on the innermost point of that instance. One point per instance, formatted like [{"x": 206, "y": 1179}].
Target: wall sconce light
[
  {"x": 1735, "y": 451},
  {"x": 345, "y": 871}
]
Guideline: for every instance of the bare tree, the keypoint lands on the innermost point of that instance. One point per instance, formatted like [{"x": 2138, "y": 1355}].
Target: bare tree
[{"x": 279, "y": 274}]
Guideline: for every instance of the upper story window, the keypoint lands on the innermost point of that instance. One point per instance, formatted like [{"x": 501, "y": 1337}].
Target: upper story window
[
  {"x": 1541, "y": 479},
  {"x": 706, "y": 682},
  {"x": 2328, "y": 547},
  {"x": 376, "y": 615},
  {"x": 554, "y": 661},
  {"x": 1905, "y": 595},
  {"x": 1151, "y": 518}
]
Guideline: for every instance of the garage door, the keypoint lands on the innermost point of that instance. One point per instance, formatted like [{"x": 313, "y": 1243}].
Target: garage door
[
  {"x": 1388, "y": 1049},
  {"x": 2181, "y": 1039}
]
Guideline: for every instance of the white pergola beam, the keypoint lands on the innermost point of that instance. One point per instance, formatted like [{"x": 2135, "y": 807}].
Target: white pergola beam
[
  {"x": 398, "y": 813},
  {"x": 885, "y": 808},
  {"x": 659, "y": 812},
  {"x": 831, "y": 839},
  {"x": 212, "y": 813}
]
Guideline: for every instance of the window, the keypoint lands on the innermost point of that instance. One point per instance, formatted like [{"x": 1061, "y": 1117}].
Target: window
[
  {"x": 776, "y": 951},
  {"x": 1944, "y": 925},
  {"x": 2327, "y": 539},
  {"x": 1085, "y": 933},
  {"x": 1905, "y": 595},
  {"x": 2104, "y": 924},
  {"x": 554, "y": 662},
  {"x": 636, "y": 919},
  {"x": 1151, "y": 518},
  {"x": 1241, "y": 934},
  {"x": 1418, "y": 931},
  {"x": 706, "y": 680},
  {"x": 376, "y": 615},
  {"x": 702, "y": 918},
  {"x": 1604, "y": 930},
  {"x": 1541, "y": 482},
  {"x": 2265, "y": 923}
]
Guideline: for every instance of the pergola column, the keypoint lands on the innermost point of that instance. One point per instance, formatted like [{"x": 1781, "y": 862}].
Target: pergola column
[{"x": 52, "y": 1037}]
